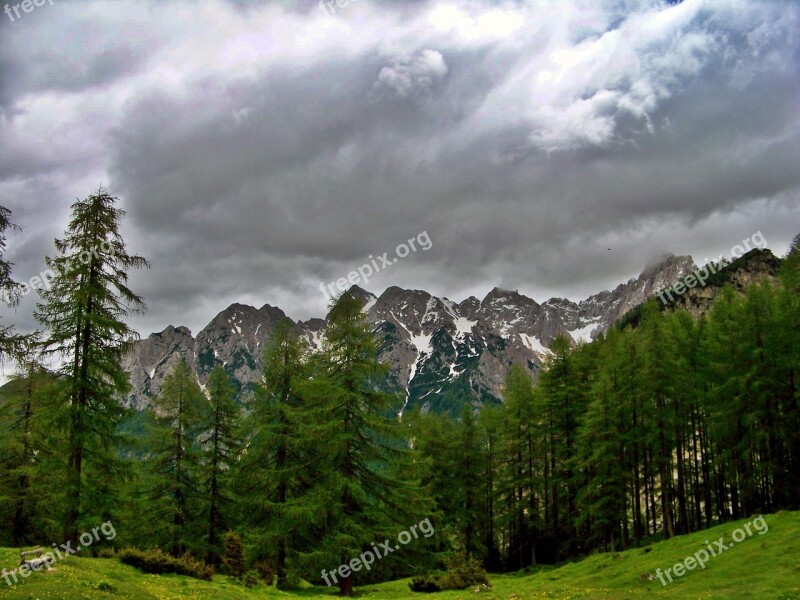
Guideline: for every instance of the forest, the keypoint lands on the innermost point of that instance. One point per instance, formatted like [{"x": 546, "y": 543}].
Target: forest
[{"x": 663, "y": 426}]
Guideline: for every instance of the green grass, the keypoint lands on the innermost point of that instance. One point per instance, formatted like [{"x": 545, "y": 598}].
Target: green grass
[{"x": 761, "y": 566}]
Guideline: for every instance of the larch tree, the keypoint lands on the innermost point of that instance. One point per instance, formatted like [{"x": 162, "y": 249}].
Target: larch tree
[
  {"x": 278, "y": 464},
  {"x": 601, "y": 451},
  {"x": 358, "y": 433},
  {"x": 519, "y": 452},
  {"x": 563, "y": 405},
  {"x": 174, "y": 457},
  {"x": 220, "y": 448},
  {"x": 84, "y": 310},
  {"x": 11, "y": 344},
  {"x": 28, "y": 443},
  {"x": 788, "y": 316}
]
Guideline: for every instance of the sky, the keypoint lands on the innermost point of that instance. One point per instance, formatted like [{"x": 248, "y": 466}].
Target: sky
[{"x": 262, "y": 149}]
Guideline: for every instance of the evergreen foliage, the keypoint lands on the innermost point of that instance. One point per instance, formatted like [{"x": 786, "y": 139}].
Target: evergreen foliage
[{"x": 84, "y": 312}]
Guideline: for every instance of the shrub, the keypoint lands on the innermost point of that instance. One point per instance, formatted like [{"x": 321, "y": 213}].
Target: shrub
[
  {"x": 462, "y": 572},
  {"x": 293, "y": 580},
  {"x": 426, "y": 583},
  {"x": 265, "y": 571},
  {"x": 250, "y": 579},
  {"x": 193, "y": 565},
  {"x": 157, "y": 562},
  {"x": 234, "y": 554}
]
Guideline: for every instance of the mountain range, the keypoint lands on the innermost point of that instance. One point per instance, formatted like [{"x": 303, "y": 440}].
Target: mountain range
[{"x": 442, "y": 354}]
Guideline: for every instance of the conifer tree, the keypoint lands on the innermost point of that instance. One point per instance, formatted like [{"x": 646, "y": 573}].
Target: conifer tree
[
  {"x": 84, "y": 311},
  {"x": 234, "y": 554},
  {"x": 728, "y": 404},
  {"x": 220, "y": 447},
  {"x": 468, "y": 452},
  {"x": 519, "y": 452},
  {"x": 563, "y": 404},
  {"x": 788, "y": 340},
  {"x": 658, "y": 388},
  {"x": 278, "y": 465},
  {"x": 602, "y": 455},
  {"x": 359, "y": 437},
  {"x": 174, "y": 459},
  {"x": 489, "y": 473},
  {"x": 627, "y": 357},
  {"x": 436, "y": 447},
  {"x": 28, "y": 445},
  {"x": 11, "y": 344}
]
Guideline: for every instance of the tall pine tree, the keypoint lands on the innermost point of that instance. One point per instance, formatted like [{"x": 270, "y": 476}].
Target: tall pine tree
[
  {"x": 359, "y": 438},
  {"x": 221, "y": 446},
  {"x": 278, "y": 466},
  {"x": 84, "y": 311},
  {"x": 11, "y": 344},
  {"x": 174, "y": 459}
]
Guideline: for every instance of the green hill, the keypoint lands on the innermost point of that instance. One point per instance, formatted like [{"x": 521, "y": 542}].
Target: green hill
[{"x": 760, "y": 566}]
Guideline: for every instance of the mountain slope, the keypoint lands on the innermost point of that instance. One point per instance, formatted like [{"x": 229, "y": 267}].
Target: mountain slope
[
  {"x": 755, "y": 266},
  {"x": 442, "y": 354}
]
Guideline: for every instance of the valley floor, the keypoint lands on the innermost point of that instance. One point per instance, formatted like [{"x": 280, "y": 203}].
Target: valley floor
[{"x": 760, "y": 566}]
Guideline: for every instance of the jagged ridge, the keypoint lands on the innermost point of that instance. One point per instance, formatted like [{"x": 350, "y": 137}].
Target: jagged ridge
[{"x": 442, "y": 354}]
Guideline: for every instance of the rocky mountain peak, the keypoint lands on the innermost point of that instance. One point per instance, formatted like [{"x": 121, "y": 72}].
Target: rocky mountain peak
[
  {"x": 171, "y": 332},
  {"x": 364, "y": 297},
  {"x": 499, "y": 295},
  {"x": 469, "y": 308},
  {"x": 441, "y": 353}
]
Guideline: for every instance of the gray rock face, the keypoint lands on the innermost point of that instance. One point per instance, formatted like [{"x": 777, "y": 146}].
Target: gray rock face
[
  {"x": 754, "y": 267},
  {"x": 233, "y": 339},
  {"x": 599, "y": 312},
  {"x": 442, "y": 355},
  {"x": 153, "y": 358}
]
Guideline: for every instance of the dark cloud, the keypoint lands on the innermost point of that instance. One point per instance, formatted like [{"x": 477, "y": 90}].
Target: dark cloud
[{"x": 261, "y": 149}]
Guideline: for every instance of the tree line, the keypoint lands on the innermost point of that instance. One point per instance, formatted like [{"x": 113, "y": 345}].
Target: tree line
[{"x": 648, "y": 432}]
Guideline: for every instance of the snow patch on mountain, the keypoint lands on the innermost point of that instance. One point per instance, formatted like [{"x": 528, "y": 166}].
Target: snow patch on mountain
[
  {"x": 534, "y": 344},
  {"x": 372, "y": 302},
  {"x": 584, "y": 334}
]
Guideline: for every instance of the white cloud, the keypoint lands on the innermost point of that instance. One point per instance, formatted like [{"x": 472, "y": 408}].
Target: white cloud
[{"x": 414, "y": 76}]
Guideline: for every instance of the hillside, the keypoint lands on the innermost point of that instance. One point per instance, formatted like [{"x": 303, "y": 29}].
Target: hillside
[{"x": 761, "y": 566}]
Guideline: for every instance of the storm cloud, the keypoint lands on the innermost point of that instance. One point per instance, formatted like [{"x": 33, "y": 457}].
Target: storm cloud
[{"x": 262, "y": 148}]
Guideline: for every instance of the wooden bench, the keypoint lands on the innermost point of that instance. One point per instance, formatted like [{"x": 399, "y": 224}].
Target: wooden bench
[{"x": 39, "y": 561}]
